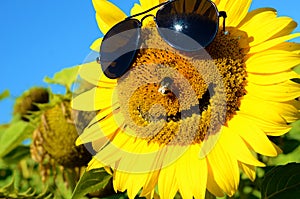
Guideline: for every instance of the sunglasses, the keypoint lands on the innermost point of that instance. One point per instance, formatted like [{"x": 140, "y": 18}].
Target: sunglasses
[{"x": 186, "y": 25}]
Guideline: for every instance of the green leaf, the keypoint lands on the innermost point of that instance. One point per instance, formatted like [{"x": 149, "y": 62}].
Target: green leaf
[
  {"x": 286, "y": 158},
  {"x": 14, "y": 136},
  {"x": 4, "y": 94},
  {"x": 65, "y": 77},
  {"x": 282, "y": 182},
  {"x": 91, "y": 181},
  {"x": 17, "y": 154}
]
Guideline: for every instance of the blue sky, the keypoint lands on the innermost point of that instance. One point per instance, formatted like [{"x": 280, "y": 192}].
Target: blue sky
[{"x": 39, "y": 38}]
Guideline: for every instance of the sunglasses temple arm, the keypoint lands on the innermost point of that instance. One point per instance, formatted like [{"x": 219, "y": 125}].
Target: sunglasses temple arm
[{"x": 224, "y": 15}]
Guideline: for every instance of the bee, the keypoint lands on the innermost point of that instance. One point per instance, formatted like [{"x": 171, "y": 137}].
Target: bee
[{"x": 165, "y": 85}]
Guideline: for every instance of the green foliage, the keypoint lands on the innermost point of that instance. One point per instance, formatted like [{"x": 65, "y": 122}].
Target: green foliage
[
  {"x": 9, "y": 191},
  {"x": 91, "y": 181},
  {"x": 14, "y": 135},
  {"x": 17, "y": 154},
  {"x": 65, "y": 77},
  {"x": 290, "y": 145},
  {"x": 295, "y": 131},
  {"x": 282, "y": 182}
]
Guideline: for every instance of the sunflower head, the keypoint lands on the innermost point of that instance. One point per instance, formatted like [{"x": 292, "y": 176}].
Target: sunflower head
[
  {"x": 187, "y": 122},
  {"x": 56, "y": 135},
  {"x": 27, "y": 103}
]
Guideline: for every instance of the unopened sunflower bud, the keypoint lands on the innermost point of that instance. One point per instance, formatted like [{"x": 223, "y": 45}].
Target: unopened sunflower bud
[{"x": 26, "y": 103}]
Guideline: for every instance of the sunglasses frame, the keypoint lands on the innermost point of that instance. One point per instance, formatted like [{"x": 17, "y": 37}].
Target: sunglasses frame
[
  {"x": 161, "y": 6},
  {"x": 220, "y": 13}
]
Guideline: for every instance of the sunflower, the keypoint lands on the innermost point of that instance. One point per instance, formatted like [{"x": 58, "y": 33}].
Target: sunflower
[{"x": 154, "y": 142}]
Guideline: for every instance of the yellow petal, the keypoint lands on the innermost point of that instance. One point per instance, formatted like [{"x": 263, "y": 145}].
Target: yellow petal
[
  {"x": 268, "y": 127},
  {"x": 288, "y": 46},
  {"x": 135, "y": 182},
  {"x": 107, "y": 14},
  {"x": 217, "y": 2},
  {"x": 146, "y": 4},
  {"x": 192, "y": 174},
  {"x": 236, "y": 10},
  {"x": 271, "y": 43},
  {"x": 249, "y": 170},
  {"x": 150, "y": 183},
  {"x": 94, "y": 164},
  {"x": 272, "y": 61},
  {"x": 237, "y": 148},
  {"x": 262, "y": 25},
  {"x": 96, "y": 45},
  {"x": 290, "y": 112},
  {"x": 132, "y": 182},
  {"x": 212, "y": 185},
  {"x": 279, "y": 113},
  {"x": 269, "y": 79},
  {"x": 92, "y": 73},
  {"x": 262, "y": 110},
  {"x": 103, "y": 114},
  {"x": 120, "y": 180},
  {"x": 109, "y": 155},
  {"x": 132, "y": 154},
  {"x": 167, "y": 183},
  {"x": 133, "y": 158},
  {"x": 224, "y": 169},
  {"x": 252, "y": 135},
  {"x": 94, "y": 99},
  {"x": 266, "y": 11},
  {"x": 103, "y": 130},
  {"x": 137, "y": 8},
  {"x": 277, "y": 93}
]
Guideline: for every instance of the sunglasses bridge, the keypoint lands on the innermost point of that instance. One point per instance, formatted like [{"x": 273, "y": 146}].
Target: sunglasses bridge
[{"x": 220, "y": 14}]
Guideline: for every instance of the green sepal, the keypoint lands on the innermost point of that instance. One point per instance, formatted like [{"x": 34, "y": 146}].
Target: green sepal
[{"x": 91, "y": 181}]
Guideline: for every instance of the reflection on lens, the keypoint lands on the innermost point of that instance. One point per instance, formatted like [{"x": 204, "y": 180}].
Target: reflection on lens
[
  {"x": 118, "y": 48},
  {"x": 198, "y": 21}
]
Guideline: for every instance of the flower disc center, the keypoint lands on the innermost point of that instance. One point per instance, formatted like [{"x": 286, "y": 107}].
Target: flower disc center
[{"x": 170, "y": 96}]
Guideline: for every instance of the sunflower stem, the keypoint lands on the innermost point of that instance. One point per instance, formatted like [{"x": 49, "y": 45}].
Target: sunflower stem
[{"x": 71, "y": 178}]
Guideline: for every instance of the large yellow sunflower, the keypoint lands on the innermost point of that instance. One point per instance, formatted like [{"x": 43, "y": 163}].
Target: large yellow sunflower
[{"x": 153, "y": 143}]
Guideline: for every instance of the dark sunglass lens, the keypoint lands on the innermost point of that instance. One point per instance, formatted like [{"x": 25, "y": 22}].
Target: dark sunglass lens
[
  {"x": 197, "y": 19},
  {"x": 119, "y": 47}
]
